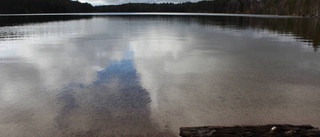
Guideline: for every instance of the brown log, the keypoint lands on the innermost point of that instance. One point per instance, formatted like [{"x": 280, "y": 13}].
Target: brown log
[{"x": 251, "y": 131}]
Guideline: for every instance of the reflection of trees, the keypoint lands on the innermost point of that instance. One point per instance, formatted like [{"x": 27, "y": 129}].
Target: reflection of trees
[
  {"x": 23, "y": 20},
  {"x": 20, "y": 20},
  {"x": 304, "y": 29}
]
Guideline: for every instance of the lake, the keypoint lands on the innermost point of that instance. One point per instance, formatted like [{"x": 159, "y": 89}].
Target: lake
[{"x": 150, "y": 74}]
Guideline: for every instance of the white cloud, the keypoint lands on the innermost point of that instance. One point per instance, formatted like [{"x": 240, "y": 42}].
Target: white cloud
[{"x": 95, "y": 2}]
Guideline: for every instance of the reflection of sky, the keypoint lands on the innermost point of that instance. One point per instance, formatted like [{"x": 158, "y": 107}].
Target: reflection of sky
[
  {"x": 115, "y": 103},
  {"x": 180, "y": 73},
  {"x": 124, "y": 68}
]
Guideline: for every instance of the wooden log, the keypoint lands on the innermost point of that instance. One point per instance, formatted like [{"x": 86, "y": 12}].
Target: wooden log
[{"x": 251, "y": 131}]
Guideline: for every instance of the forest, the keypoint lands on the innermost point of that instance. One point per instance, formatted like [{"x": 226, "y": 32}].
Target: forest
[
  {"x": 43, "y": 6},
  {"x": 275, "y": 7}
]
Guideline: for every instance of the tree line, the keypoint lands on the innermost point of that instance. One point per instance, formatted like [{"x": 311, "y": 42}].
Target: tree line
[
  {"x": 277, "y": 7},
  {"x": 43, "y": 6}
]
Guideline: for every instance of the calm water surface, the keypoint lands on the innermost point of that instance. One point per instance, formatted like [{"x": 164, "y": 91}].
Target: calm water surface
[{"x": 150, "y": 75}]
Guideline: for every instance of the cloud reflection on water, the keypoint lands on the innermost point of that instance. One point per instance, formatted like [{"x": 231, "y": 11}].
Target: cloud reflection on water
[
  {"x": 113, "y": 105},
  {"x": 152, "y": 75}
]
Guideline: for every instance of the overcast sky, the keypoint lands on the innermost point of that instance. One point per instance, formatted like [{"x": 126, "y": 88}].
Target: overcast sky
[{"x": 111, "y": 2}]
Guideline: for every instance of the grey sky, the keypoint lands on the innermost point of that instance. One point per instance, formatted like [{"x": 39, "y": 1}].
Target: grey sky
[{"x": 111, "y": 2}]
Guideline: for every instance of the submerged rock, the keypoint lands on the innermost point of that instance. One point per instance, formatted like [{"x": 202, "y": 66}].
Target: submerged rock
[{"x": 251, "y": 131}]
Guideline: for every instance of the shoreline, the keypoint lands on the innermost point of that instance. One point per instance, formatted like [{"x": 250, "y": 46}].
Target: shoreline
[
  {"x": 155, "y": 14},
  {"x": 276, "y": 130}
]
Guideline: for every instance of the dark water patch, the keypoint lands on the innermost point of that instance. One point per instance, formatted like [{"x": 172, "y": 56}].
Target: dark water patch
[
  {"x": 9, "y": 29},
  {"x": 303, "y": 29},
  {"x": 24, "y": 20}
]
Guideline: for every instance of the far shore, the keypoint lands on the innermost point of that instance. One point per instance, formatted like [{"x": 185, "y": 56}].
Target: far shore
[{"x": 156, "y": 14}]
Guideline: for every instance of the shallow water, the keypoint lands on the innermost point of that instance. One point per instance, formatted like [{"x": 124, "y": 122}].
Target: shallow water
[{"x": 150, "y": 75}]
